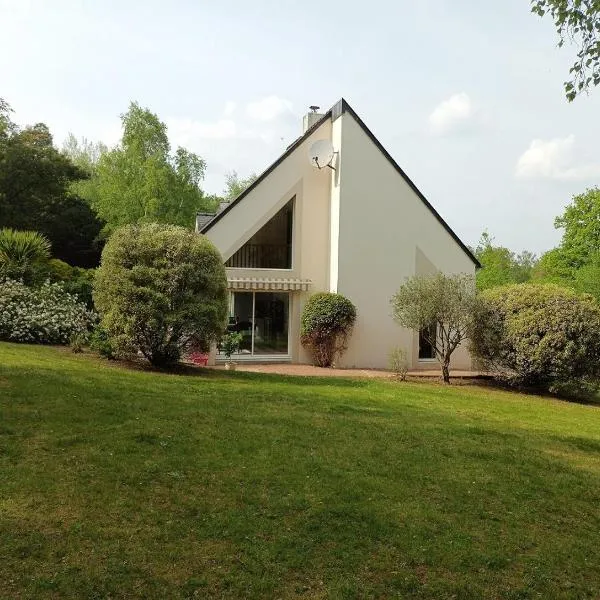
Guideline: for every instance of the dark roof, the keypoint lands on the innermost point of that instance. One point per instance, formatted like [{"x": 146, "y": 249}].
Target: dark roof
[{"x": 337, "y": 110}]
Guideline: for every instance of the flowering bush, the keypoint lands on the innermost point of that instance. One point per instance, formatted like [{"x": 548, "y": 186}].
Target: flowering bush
[{"x": 43, "y": 315}]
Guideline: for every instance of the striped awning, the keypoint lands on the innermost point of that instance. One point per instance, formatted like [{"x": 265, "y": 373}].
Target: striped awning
[{"x": 268, "y": 283}]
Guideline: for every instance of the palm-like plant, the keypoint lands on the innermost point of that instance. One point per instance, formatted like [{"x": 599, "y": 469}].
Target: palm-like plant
[{"x": 21, "y": 252}]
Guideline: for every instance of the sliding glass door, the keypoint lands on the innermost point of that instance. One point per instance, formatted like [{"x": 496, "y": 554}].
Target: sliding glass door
[{"x": 262, "y": 318}]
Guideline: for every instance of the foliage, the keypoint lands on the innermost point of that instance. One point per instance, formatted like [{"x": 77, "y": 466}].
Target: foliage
[
  {"x": 581, "y": 224},
  {"x": 579, "y": 22},
  {"x": 100, "y": 343},
  {"x": 538, "y": 335},
  {"x": 35, "y": 192},
  {"x": 230, "y": 343},
  {"x": 84, "y": 153},
  {"x": 77, "y": 342},
  {"x": 290, "y": 486},
  {"x": 160, "y": 288},
  {"x": 500, "y": 265},
  {"x": 44, "y": 315},
  {"x": 235, "y": 185},
  {"x": 448, "y": 301},
  {"x": 21, "y": 253},
  {"x": 399, "y": 363},
  {"x": 140, "y": 180},
  {"x": 75, "y": 280},
  {"x": 326, "y": 324},
  {"x": 554, "y": 267}
]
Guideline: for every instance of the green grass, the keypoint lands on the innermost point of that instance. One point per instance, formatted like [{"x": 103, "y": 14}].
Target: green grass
[{"x": 117, "y": 483}]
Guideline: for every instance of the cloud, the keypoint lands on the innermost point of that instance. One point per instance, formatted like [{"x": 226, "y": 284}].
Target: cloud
[
  {"x": 554, "y": 159},
  {"x": 185, "y": 130},
  {"x": 229, "y": 108},
  {"x": 453, "y": 115},
  {"x": 268, "y": 108}
]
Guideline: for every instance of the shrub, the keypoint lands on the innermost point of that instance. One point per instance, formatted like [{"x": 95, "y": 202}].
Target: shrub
[
  {"x": 75, "y": 280},
  {"x": 100, "y": 343},
  {"x": 77, "y": 342},
  {"x": 230, "y": 344},
  {"x": 398, "y": 363},
  {"x": 542, "y": 336},
  {"x": 44, "y": 315},
  {"x": 22, "y": 253},
  {"x": 159, "y": 289},
  {"x": 327, "y": 321}
]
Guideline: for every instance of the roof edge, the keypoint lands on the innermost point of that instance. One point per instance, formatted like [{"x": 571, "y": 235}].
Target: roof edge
[
  {"x": 272, "y": 167},
  {"x": 345, "y": 107},
  {"x": 336, "y": 111}
]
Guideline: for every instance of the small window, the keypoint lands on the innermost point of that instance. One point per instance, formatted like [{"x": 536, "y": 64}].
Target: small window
[{"x": 426, "y": 349}]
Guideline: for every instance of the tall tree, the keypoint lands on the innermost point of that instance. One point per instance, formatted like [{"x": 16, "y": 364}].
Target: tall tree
[
  {"x": 501, "y": 266},
  {"x": 235, "y": 185},
  {"x": 581, "y": 225},
  {"x": 35, "y": 192},
  {"x": 141, "y": 180},
  {"x": 579, "y": 22}
]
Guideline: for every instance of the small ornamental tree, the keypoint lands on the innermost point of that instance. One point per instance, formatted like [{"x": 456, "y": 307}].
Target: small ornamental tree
[
  {"x": 446, "y": 301},
  {"x": 21, "y": 253},
  {"x": 160, "y": 289},
  {"x": 327, "y": 321},
  {"x": 543, "y": 336}
]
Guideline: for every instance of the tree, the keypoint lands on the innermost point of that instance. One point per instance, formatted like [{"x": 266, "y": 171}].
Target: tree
[
  {"x": 235, "y": 185},
  {"x": 21, "y": 252},
  {"x": 448, "y": 301},
  {"x": 159, "y": 289},
  {"x": 84, "y": 153},
  {"x": 140, "y": 181},
  {"x": 579, "y": 22},
  {"x": 326, "y": 322},
  {"x": 35, "y": 192},
  {"x": 538, "y": 335},
  {"x": 581, "y": 225},
  {"x": 500, "y": 265}
]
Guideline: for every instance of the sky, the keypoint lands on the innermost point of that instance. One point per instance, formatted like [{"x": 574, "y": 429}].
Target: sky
[{"x": 466, "y": 95}]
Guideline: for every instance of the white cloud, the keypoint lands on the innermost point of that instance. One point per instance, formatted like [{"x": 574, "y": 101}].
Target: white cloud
[
  {"x": 554, "y": 159},
  {"x": 452, "y": 115},
  {"x": 268, "y": 108},
  {"x": 229, "y": 108},
  {"x": 185, "y": 130}
]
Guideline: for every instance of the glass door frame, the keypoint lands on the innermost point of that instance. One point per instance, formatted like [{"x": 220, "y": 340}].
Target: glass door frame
[{"x": 252, "y": 356}]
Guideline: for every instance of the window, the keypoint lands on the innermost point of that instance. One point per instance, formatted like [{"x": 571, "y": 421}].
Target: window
[
  {"x": 271, "y": 246},
  {"x": 426, "y": 349},
  {"x": 262, "y": 319}
]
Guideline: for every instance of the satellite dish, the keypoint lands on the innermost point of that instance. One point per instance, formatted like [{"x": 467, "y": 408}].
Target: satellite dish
[{"x": 321, "y": 154}]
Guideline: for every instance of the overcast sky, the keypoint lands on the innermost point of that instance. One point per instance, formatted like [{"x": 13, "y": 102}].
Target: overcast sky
[{"x": 465, "y": 94}]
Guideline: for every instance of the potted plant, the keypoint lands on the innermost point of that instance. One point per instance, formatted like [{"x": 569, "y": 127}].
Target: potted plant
[{"x": 230, "y": 344}]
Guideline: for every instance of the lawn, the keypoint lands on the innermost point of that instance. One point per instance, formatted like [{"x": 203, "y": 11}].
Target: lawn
[{"x": 121, "y": 483}]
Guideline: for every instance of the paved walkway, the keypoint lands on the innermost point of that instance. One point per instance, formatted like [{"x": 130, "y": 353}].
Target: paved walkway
[{"x": 311, "y": 371}]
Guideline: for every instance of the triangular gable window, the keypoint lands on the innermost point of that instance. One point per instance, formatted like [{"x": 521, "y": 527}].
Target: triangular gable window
[{"x": 271, "y": 246}]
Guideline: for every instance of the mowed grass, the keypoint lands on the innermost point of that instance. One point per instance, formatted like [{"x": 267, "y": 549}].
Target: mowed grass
[{"x": 117, "y": 483}]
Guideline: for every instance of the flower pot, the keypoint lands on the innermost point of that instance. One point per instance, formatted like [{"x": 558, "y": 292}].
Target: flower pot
[{"x": 230, "y": 366}]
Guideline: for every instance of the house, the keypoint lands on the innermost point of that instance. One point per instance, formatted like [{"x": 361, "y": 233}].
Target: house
[{"x": 358, "y": 226}]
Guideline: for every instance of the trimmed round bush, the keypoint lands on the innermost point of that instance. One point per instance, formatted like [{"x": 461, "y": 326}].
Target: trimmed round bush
[
  {"x": 42, "y": 315},
  {"x": 543, "y": 336},
  {"x": 327, "y": 321},
  {"x": 160, "y": 289}
]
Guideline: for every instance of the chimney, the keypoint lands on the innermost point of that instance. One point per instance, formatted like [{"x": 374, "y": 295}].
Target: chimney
[{"x": 311, "y": 118}]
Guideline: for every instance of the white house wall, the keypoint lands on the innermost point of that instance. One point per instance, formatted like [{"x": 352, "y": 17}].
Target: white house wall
[
  {"x": 294, "y": 176},
  {"x": 382, "y": 223}
]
